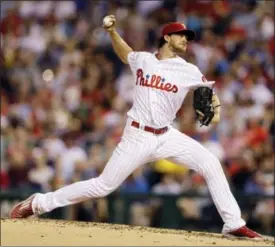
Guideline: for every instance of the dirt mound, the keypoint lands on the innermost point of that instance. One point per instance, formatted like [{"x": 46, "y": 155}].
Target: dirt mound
[{"x": 37, "y": 232}]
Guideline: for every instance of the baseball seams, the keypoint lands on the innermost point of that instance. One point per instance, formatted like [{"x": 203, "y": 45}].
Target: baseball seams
[{"x": 107, "y": 22}]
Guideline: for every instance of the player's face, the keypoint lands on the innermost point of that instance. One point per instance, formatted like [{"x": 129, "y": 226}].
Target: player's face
[{"x": 178, "y": 42}]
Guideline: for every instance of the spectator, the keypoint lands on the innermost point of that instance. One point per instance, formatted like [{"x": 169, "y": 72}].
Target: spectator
[
  {"x": 168, "y": 185},
  {"x": 135, "y": 183},
  {"x": 41, "y": 175},
  {"x": 71, "y": 158}
]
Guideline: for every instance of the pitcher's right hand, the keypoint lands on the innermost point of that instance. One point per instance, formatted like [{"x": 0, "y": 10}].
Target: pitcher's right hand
[{"x": 109, "y": 22}]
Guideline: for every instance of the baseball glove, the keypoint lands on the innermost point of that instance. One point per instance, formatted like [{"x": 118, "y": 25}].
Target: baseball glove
[{"x": 202, "y": 103}]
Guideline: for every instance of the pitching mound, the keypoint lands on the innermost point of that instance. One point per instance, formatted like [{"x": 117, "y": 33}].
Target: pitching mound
[{"x": 69, "y": 233}]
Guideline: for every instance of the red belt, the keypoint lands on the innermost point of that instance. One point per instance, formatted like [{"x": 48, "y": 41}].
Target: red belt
[{"x": 150, "y": 129}]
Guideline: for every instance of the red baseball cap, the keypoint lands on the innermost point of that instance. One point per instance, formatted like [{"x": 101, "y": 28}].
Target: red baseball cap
[{"x": 177, "y": 27}]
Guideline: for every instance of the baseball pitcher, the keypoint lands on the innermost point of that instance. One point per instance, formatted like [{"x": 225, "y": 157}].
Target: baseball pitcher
[{"x": 161, "y": 81}]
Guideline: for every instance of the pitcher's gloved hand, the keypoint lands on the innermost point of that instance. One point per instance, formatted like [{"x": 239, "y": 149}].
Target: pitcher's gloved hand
[
  {"x": 206, "y": 105},
  {"x": 217, "y": 108}
]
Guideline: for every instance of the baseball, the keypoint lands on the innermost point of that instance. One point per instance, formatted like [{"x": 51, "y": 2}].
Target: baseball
[{"x": 107, "y": 21}]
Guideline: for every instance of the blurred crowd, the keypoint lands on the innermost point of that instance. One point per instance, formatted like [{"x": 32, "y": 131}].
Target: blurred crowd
[{"x": 65, "y": 95}]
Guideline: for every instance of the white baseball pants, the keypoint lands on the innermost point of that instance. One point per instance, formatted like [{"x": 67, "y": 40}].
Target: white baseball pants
[{"x": 138, "y": 147}]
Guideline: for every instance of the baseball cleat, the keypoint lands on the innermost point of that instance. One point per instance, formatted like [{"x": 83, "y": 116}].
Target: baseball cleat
[
  {"x": 244, "y": 233},
  {"x": 23, "y": 209}
]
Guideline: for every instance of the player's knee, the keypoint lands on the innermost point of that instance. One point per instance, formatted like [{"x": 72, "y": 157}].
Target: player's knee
[
  {"x": 215, "y": 161},
  {"x": 217, "y": 165},
  {"x": 106, "y": 187},
  {"x": 212, "y": 166}
]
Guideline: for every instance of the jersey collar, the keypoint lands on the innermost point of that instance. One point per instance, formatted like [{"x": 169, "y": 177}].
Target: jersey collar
[{"x": 155, "y": 53}]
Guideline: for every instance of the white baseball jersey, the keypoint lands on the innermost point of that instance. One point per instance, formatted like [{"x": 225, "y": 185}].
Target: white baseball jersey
[{"x": 160, "y": 87}]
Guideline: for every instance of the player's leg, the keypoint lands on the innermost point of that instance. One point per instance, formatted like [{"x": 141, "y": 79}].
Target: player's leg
[
  {"x": 133, "y": 150},
  {"x": 181, "y": 149}
]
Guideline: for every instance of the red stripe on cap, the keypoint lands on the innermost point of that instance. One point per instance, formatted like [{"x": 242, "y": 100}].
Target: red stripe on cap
[{"x": 173, "y": 27}]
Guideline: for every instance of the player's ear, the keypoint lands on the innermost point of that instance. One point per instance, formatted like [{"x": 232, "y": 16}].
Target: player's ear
[{"x": 166, "y": 38}]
